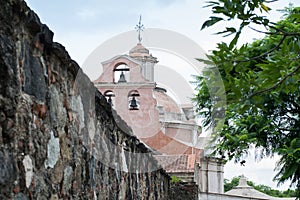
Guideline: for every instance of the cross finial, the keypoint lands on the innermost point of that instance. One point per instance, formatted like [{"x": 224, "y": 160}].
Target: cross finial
[{"x": 139, "y": 27}]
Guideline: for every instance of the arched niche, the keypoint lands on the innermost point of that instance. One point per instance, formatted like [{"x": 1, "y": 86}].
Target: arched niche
[
  {"x": 121, "y": 73},
  {"x": 133, "y": 100},
  {"x": 109, "y": 94}
]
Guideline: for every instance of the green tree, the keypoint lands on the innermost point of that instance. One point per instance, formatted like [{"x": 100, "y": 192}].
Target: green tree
[
  {"x": 261, "y": 85},
  {"x": 230, "y": 184}
]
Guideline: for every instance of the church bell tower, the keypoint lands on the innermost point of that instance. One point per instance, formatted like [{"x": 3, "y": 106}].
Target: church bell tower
[{"x": 127, "y": 81}]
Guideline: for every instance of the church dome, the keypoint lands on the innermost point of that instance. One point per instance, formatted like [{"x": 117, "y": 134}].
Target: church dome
[{"x": 165, "y": 103}]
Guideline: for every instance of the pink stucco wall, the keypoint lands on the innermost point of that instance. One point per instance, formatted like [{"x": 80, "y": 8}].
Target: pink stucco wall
[{"x": 145, "y": 120}]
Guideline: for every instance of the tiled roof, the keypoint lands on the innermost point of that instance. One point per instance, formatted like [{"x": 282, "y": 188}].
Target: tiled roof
[
  {"x": 177, "y": 163},
  {"x": 174, "y": 155},
  {"x": 167, "y": 145}
]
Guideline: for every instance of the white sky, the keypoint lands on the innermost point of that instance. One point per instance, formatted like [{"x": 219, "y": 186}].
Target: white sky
[{"x": 82, "y": 25}]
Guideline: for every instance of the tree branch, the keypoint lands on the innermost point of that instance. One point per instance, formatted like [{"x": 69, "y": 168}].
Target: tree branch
[
  {"x": 271, "y": 1},
  {"x": 266, "y": 53},
  {"x": 278, "y": 32},
  {"x": 264, "y": 32},
  {"x": 284, "y": 32},
  {"x": 277, "y": 84}
]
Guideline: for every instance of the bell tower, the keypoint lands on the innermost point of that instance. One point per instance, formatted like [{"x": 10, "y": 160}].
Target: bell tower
[{"x": 127, "y": 81}]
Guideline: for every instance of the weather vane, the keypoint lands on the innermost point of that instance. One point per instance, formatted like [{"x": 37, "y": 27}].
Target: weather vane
[{"x": 139, "y": 27}]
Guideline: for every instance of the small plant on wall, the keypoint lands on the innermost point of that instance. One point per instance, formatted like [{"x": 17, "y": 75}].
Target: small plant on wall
[{"x": 175, "y": 179}]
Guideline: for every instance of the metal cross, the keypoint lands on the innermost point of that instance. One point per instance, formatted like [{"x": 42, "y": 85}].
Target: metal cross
[{"x": 139, "y": 27}]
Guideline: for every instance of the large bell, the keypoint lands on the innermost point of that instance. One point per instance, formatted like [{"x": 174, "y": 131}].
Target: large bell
[
  {"x": 133, "y": 105},
  {"x": 122, "y": 78}
]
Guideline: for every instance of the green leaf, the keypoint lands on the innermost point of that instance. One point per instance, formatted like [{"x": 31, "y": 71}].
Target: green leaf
[
  {"x": 205, "y": 61},
  {"x": 231, "y": 30},
  {"x": 211, "y": 3},
  {"x": 264, "y": 7},
  {"x": 243, "y": 137},
  {"x": 295, "y": 16},
  {"x": 234, "y": 41},
  {"x": 211, "y": 22}
]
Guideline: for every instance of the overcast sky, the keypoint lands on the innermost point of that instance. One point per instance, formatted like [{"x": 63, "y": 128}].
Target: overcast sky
[
  {"x": 88, "y": 23},
  {"x": 82, "y": 25}
]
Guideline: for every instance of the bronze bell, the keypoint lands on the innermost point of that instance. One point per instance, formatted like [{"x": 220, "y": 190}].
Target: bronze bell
[
  {"x": 133, "y": 105},
  {"x": 122, "y": 78}
]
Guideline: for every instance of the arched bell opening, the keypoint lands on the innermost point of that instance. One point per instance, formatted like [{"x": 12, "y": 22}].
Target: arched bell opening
[
  {"x": 109, "y": 95},
  {"x": 121, "y": 73},
  {"x": 133, "y": 100}
]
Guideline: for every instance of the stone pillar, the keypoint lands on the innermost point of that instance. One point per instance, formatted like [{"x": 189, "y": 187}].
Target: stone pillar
[{"x": 210, "y": 175}]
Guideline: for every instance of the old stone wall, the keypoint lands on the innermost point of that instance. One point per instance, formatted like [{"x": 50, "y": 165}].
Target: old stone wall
[
  {"x": 183, "y": 191},
  {"x": 59, "y": 138}
]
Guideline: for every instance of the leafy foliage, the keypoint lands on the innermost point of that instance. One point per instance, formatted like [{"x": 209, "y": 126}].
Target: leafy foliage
[
  {"x": 262, "y": 88},
  {"x": 175, "y": 179},
  {"x": 228, "y": 185}
]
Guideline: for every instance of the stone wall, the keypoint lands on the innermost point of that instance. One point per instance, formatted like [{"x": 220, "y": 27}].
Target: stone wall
[
  {"x": 184, "y": 191},
  {"x": 59, "y": 139}
]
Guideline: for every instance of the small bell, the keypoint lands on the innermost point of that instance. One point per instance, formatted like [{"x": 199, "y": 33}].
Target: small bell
[
  {"x": 122, "y": 78},
  {"x": 109, "y": 94},
  {"x": 110, "y": 101},
  {"x": 133, "y": 105}
]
